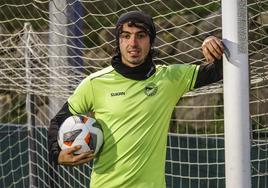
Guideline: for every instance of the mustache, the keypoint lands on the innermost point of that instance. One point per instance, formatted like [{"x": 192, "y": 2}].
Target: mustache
[{"x": 134, "y": 48}]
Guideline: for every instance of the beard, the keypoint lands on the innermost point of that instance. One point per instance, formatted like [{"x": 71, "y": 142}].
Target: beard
[{"x": 133, "y": 60}]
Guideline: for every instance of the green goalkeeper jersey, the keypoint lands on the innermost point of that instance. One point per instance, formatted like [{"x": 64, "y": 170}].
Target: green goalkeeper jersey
[{"x": 134, "y": 116}]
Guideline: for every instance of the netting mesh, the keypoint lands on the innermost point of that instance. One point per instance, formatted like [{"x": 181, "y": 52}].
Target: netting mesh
[{"x": 48, "y": 47}]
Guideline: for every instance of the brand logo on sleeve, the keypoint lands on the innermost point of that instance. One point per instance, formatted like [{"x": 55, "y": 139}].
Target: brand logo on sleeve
[{"x": 150, "y": 89}]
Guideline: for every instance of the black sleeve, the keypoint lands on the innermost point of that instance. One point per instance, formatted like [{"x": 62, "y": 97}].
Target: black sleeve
[
  {"x": 53, "y": 147},
  {"x": 209, "y": 73}
]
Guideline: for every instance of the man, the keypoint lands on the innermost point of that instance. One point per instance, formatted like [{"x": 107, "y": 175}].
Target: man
[{"x": 133, "y": 100}]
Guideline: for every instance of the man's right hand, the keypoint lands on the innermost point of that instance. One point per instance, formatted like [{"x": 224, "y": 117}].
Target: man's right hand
[{"x": 68, "y": 158}]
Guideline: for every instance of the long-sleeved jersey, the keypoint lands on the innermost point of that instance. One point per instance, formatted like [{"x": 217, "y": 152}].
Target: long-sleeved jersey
[{"x": 134, "y": 116}]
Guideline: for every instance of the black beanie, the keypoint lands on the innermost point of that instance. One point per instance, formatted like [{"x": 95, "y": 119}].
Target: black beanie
[{"x": 137, "y": 17}]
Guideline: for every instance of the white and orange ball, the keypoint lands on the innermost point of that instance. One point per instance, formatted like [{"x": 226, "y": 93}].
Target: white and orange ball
[{"x": 80, "y": 130}]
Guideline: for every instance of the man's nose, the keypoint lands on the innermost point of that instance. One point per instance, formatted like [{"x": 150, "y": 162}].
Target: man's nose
[{"x": 133, "y": 40}]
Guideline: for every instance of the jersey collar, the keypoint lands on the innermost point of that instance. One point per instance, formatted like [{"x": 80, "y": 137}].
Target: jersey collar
[{"x": 141, "y": 72}]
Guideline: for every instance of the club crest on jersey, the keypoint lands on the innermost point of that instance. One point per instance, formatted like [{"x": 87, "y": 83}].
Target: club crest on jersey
[{"x": 150, "y": 89}]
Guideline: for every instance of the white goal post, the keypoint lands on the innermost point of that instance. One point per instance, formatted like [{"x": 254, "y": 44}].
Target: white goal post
[{"x": 236, "y": 94}]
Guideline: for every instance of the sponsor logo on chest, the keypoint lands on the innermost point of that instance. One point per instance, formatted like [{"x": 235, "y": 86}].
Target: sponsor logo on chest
[
  {"x": 150, "y": 90},
  {"x": 120, "y": 93}
]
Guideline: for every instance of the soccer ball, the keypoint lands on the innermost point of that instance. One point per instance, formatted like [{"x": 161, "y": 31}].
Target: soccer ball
[{"x": 80, "y": 130}]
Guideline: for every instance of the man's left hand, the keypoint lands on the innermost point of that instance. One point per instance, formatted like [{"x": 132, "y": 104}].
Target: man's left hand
[{"x": 212, "y": 48}]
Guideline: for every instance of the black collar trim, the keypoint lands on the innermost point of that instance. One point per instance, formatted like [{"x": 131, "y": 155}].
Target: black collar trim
[{"x": 141, "y": 72}]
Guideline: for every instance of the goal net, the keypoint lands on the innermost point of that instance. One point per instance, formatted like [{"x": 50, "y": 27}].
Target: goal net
[{"x": 48, "y": 47}]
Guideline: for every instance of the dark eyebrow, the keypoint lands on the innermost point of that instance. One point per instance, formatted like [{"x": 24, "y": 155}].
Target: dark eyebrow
[
  {"x": 125, "y": 32},
  {"x": 131, "y": 33}
]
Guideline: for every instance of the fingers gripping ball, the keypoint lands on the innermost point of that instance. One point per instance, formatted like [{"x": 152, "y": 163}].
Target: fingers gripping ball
[{"x": 80, "y": 130}]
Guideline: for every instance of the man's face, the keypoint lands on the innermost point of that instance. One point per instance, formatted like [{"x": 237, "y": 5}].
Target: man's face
[{"x": 134, "y": 44}]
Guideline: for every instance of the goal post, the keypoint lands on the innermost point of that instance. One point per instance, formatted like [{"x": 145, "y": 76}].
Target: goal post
[
  {"x": 30, "y": 108},
  {"x": 236, "y": 94},
  {"x": 65, "y": 46}
]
